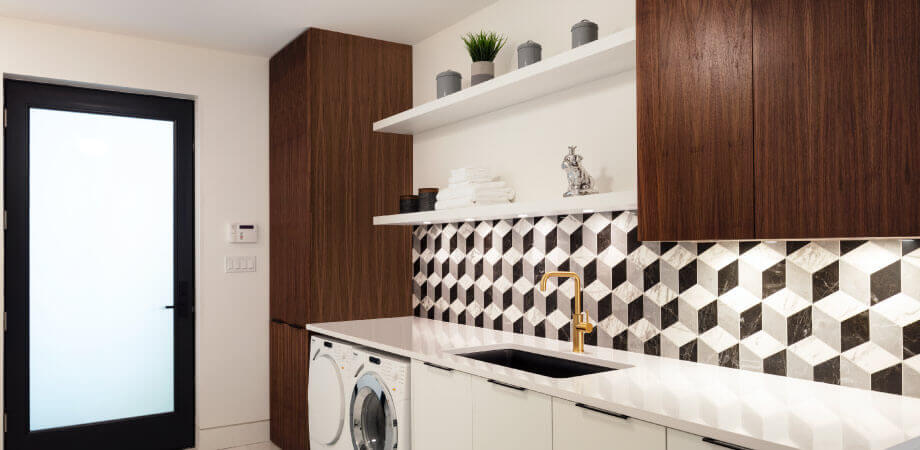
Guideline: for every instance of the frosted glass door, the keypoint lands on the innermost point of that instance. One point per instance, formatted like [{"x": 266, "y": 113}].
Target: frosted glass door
[{"x": 101, "y": 268}]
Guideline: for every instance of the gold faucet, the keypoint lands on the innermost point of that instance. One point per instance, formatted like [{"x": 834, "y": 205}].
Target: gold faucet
[{"x": 580, "y": 324}]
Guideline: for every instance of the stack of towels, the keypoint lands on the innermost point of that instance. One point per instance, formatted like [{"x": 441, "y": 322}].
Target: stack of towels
[{"x": 472, "y": 186}]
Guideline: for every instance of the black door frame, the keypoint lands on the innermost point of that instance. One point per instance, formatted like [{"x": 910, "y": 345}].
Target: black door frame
[{"x": 159, "y": 431}]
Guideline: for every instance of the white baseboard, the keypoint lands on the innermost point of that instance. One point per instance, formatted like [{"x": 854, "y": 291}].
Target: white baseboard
[{"x": 233, "y": 436}]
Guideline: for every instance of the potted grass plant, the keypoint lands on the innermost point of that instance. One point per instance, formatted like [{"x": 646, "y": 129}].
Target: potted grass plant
[{"x": 483, "y": 48}]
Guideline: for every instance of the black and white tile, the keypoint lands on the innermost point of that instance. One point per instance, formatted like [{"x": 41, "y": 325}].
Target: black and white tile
[{"x": 841, "y": 312}]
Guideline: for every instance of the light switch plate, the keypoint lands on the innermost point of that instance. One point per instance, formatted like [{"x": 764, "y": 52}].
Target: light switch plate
[{"x": 237, "y": 264}]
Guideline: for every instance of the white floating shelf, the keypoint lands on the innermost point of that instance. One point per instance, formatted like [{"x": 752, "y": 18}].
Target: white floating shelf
[
  {"x": 604, "y": 57},
  {"x": 611, "y": 201}
]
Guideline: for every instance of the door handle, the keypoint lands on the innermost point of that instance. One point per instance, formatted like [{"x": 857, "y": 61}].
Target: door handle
[
  {"x": 447, "y": 369},
  {"x": 510, "y": 386},
  {"x": 183, "y": 304},
  {"x": 724, "y": 444},
  {"x": 602, "y": 411}
]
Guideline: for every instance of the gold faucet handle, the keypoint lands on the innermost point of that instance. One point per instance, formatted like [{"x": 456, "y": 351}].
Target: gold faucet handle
[{"x": 582, "y": 323}]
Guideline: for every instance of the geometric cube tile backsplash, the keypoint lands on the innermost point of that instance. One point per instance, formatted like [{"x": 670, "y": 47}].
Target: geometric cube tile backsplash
[{"x": 840, "y": 312}]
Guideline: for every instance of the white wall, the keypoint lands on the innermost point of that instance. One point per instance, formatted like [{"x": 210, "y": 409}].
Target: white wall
[
  {"x": 525, "y": 143},
  {"x": 231, "y": 93}
]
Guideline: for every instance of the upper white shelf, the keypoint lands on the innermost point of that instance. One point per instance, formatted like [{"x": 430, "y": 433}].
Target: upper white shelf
[
  {"x": 610, "y": 201},
  {"x": 607, "y": 56}
]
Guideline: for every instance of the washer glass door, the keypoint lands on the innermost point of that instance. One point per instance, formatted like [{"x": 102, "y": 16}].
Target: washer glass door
[{"x": 373, "y": 417}]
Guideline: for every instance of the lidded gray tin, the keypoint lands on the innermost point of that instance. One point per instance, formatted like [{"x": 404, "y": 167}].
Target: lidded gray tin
[
  {"x": 583, "y": 32},
  {"x": 529, "y": 53},
  {"x": 448, "y": 82}
]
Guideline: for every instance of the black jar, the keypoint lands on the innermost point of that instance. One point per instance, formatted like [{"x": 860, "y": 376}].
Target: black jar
[
  {"x": 408, "y": 204},
  {"x": 427, "y": 197}
]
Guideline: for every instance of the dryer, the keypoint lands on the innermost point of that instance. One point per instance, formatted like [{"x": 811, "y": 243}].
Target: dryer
[
  {"x": 379, "y": 405},
  {"x": 331, "y": 379}
]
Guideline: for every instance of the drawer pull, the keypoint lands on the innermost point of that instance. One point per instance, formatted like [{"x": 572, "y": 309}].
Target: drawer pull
[
  {"x": 448, "y": 369},
  {"x": 602, "y": 411},
  {"x": 724, "y": 444},
  {"x": 511, "y": 386}
]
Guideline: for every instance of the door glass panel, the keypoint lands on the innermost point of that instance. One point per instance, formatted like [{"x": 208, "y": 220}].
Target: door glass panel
[{"x": 100, "y": 267}]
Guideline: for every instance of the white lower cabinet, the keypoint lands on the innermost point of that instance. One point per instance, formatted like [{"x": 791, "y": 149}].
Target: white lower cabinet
[
  {"x": 582, "y": 427},
  {"x": 509, "y": 417},
  {"x": 442, "y": 408},
  {"x": 679, "y": 440},
  {"x": 453, "y": 410}
]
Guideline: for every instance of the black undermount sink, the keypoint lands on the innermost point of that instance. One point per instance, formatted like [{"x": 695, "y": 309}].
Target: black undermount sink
[{"x": 547, "y": 366}]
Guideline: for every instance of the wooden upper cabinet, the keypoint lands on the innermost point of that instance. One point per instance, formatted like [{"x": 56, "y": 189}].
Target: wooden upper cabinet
[
  {"x": 695, "y": 114},
  {"x": 837, "y": 109},
  {"x": 778, "y": 119},
  {"x": 330, "y": 174}
]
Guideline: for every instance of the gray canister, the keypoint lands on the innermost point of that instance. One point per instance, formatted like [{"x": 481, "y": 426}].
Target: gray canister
[
  {"x": 583, "y": 32},
  {"x": 448, "y": 82},
  {"x": 529, "y": 53}
]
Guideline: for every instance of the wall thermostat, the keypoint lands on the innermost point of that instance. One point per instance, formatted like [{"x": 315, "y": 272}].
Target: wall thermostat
[{"x": 243, "y": 233}]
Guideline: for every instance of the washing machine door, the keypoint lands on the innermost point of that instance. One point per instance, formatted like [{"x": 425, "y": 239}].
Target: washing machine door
[
  {"x": 325, "y": 400},
  {"x": 373, "y": 415}
]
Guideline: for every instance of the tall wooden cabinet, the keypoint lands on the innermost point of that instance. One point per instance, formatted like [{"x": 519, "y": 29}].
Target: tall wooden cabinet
[
  {"x": 778, "y": 119},
  {"x": 288, "y": 351},
  {"x": 329, "y": 175}
]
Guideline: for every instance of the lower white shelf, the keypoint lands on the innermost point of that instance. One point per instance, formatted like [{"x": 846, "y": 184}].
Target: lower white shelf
[{"x": 610, "y": 201}]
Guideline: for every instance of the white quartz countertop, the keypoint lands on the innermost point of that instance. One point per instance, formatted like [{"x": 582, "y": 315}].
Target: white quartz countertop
[{"x": 738, "y": 406}]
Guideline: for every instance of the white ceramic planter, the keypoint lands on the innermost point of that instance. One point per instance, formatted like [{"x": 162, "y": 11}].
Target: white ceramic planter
[{"x": 482, "y": 71}]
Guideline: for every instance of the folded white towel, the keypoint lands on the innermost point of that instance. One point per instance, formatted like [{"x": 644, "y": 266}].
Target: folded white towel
[
  {"x": 470, "y": 174},
  {"x": 470, "y": 179},
  {"x": 453, "y": 204},
  {"x": 472, "y": 189},
  {"x": 495, "y": 196},
  {"x": 477, "y": 185}
]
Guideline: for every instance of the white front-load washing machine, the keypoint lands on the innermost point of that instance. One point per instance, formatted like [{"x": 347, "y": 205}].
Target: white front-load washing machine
[
  {"x": 379, "y": 407},
  {"x": 332, "y": 370}
]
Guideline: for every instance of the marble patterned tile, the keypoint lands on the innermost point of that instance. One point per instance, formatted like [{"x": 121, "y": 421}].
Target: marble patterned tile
[
  {"x": 893, "y": 325},
  {"x": 813, "y": 359},
  {"x": 869, "y": 366},
  {"x": 841, "y": 321},
  {"x": 828, "y": 311},
  {"x": 911, "y": 377}
]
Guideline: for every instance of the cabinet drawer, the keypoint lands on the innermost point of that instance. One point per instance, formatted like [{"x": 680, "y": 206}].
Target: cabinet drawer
[
  {"x": 577, "y": 426},
  {"x": 442, "y": 405},
  {"x": 506, "y": 417},
  {"x": 679, "y": 440}
]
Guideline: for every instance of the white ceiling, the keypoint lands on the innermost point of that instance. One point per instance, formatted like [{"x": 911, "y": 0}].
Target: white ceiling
[{"x": 258, "y": 27}]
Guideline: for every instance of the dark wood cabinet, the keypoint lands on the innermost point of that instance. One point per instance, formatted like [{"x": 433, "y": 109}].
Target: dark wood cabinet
[
  {"x": 289, "y": 353},
  {"x": 329, "y": 175},
  {"x": 837, "y": 118},
  {"x": 695, "y": 149},
  {"x": 778, "y": 119}
]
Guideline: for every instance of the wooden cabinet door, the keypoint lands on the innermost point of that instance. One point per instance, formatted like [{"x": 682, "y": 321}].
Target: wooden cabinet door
[
  {"x": 580, "y": 427},
  {"x": 442, "y": 408},
  {"x": 506, "y": 417},
  {"x": 837, "y": 118},
  {"x": 289, "y": 354},
  {"x": 695, "y": 148}
]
